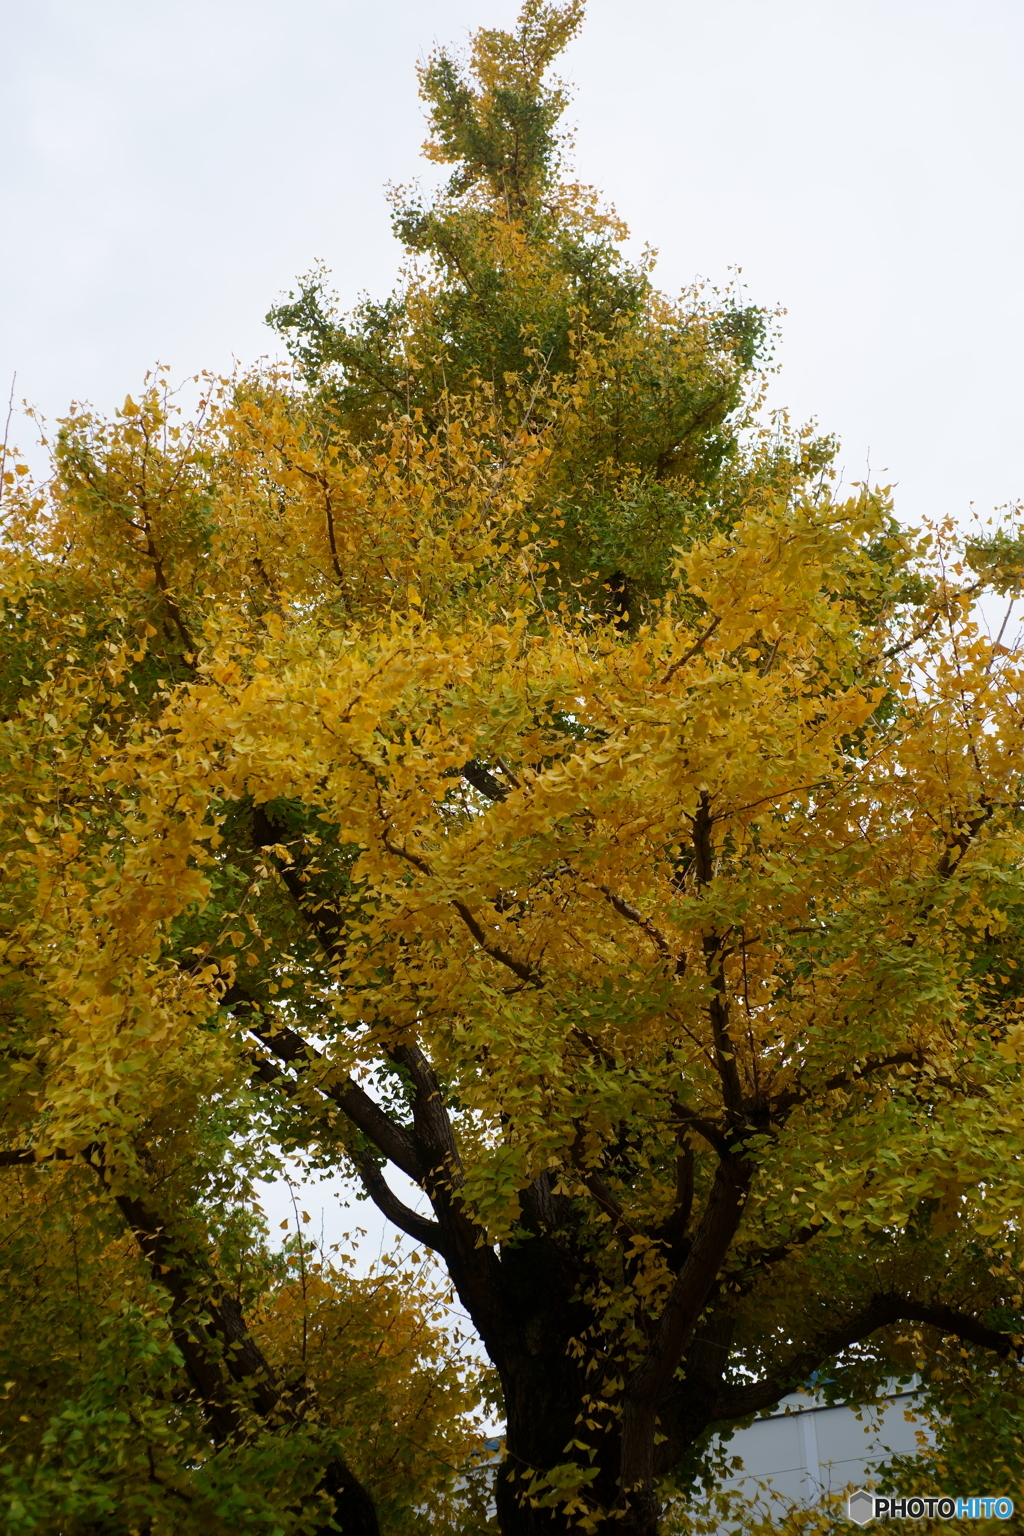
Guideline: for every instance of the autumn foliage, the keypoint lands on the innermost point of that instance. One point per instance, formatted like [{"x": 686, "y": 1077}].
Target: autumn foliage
[{"x": 487, "y": 751}]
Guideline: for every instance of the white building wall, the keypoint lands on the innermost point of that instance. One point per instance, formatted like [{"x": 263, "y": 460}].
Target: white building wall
[{"x": 805, "y": 1449}]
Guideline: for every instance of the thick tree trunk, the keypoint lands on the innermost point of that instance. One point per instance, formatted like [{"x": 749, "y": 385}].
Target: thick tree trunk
[
  {"x": 543, "y": 1384},
  {"x": 544, "y": 1401},
  {"x": 545, "y": 1388},
  {"x": 637, "y": 1450},
  {"x": 545, "y": 1392},
  {"x": 354, "y": 1511}
]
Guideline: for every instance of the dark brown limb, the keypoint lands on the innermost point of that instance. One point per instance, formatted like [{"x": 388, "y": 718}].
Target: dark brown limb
[
  {"x": 542, "y": 1207},
  {"x": 764, "y": 1258},
  {"x": 649, "y": 1383},
  {"x": 389, "y": 1136},
  {"x": 420, "y": 1228},
  {"x": 518, "y": 968},
  {"x": 226, "y": 1368},
  {"x": 725, "y": 1048},
  {"x": 434, "y": 1130},
  {"x": 25, "y": 1157},
  {"x": 483, "y": 780},
  {"x": 694, "y": 650},
  {"x": 268, "y": 835},
  {"x": 784, "y": 1102},
  {"x": 958, "y": 844},
  {"x": 626, "y": 910},
  {"x": 709, "y": 1130},
  {"x": 621, "y": 1224},
  {"x": 880, "y": 1312},
  {"x": 713, "y": 946},
  {"x": 209, "y": 1328},
  {"x": 473, "y": 1264},
  {"x": 672, "y": 1230}
]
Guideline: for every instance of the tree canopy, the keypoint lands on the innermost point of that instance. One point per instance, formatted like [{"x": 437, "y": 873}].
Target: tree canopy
[
  {"x": 518, "y": 289},
  {"x": 493, "y": 755}
]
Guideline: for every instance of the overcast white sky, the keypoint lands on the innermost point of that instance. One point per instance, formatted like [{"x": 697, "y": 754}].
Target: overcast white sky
[{"x": 170, "y": 168}]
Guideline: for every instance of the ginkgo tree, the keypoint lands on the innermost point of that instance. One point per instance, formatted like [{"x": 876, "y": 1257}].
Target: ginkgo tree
[{"x": 493, "y": 757}]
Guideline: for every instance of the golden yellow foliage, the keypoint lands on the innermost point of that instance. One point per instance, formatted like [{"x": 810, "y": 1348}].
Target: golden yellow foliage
[
  {"x": 486, "y": 758},
  {"x": 689, "y": 948}
]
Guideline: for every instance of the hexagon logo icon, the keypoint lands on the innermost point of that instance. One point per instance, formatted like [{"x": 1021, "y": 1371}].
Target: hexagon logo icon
[{"x": 860, "y": 1507}]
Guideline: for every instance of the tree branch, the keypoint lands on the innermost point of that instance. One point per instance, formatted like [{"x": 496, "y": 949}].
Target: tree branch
[
  {"x": 227, "y": 1372},
  {"x": 483, "y": 780},
  {"x": 213, "y": 1337},
  {"x": 370, "y": 1176},
  {"x": 958, "y": 844},
  {"x": 764, "y": 1258},
  {"x": 209, "y": 1328},
  {"x": 267, "y": 835},
  {"x": 543, "y": 1207},
  {"x": 26, "y": 1157},
  {"x": 708, "y": 1129},
  {"x": 632, "y": 915},
  {"x": 420, "y": 1228},
  {"x": 389, "y": 1136},
  {"x": 650, "y": 1381},
  {"x": 715, "y": 1231},
  {"x": 517, "y": 967},
  {"x": 697, "y": 646},
  {"x": 673, "y": 1229},
  {"x": 881, "y": 1311},
  {"x": 621, "y": 1224},
  {"x": 434, "y": 1129},
  {"x": 714, "y": 964},
  {"x": 794, "y": 1096}
]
